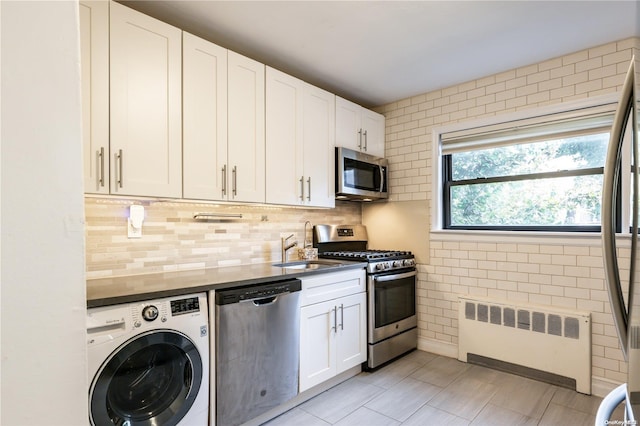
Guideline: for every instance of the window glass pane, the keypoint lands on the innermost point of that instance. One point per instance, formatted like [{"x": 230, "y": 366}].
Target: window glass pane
[
  {"x": 566, "y": 201},
  {"x": 580, "y": 152}
]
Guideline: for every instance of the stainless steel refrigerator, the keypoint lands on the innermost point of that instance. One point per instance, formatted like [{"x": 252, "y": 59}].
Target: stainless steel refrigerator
[{"x": 623, "y": 289}]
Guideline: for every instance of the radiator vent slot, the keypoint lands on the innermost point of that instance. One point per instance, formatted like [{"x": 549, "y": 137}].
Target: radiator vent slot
[{"x": 540, "y": 338}]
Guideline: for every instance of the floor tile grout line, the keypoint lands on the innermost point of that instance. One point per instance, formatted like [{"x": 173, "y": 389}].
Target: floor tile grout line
[
  {"x": 380, "y": 390},
  {"x": 384, "y": 415},
  {"x": 555, "y": 389}
]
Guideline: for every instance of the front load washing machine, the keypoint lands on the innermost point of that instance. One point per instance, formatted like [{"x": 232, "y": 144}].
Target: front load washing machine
[{"x": 149, "y": 362}]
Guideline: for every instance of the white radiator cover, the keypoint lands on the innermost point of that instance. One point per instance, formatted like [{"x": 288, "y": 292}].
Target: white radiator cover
[{"x": 549, "y": 339}]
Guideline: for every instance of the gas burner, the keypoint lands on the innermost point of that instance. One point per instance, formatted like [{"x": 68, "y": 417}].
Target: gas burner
[
  {"x": 368, "y": 255},
  {"x": 349, "y": 242}
]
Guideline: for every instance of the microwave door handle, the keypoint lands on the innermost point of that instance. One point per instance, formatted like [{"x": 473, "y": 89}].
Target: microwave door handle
[{"x": 381, "y": 178}]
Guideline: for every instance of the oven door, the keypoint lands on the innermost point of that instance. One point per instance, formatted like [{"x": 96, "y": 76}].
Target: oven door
[{"x": 391, "y": 304}]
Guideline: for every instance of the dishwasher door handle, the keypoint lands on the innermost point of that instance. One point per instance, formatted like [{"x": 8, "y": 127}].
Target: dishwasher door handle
[{"x": 264, "y": 301}]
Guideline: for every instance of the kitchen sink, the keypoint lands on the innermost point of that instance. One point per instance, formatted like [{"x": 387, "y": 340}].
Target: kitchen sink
[{"x": 308, "y": 264}]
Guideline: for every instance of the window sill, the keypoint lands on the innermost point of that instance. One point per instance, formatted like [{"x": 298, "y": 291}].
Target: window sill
[{"x": 526, "y": 237}]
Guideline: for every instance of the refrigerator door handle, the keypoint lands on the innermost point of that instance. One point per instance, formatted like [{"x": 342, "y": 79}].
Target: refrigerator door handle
[
  {"x": 609, "y": 193},
  {"x": 610, "y": 403}
]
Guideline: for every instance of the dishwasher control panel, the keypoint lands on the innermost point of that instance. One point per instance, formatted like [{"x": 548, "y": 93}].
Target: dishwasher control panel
[{"x": 260, "y": 291}]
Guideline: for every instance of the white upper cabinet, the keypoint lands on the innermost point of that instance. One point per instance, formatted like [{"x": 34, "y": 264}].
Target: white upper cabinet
[
  {"x": 246, "y": 129},
  {"x": 168, "y": 114},
  {"x": 284, "y": 160},
  {"x": 204, "y": 119},
  {"x": 358, "y": 128},
  {"x": 319, "y": 142},
  {"x": 94, "y": 54},
  {"x": 373, "y": 132},
  {"x": 300, "y": 140},
  {"x": 145, "y": 105}
]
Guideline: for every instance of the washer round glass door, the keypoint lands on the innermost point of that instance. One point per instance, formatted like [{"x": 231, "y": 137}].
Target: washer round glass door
[{"x": 152, "y": 379}]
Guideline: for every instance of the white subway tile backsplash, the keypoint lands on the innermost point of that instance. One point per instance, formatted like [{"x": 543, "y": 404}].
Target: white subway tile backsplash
[{"x": 557, "y": 274}]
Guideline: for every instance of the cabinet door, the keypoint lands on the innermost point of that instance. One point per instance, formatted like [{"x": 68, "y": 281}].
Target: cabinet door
[
  {"x": 348, "y": 124},
  {"x": 146, "y": 92},
  {"x": 284, "y": 149},
  {"x": 319, "y": 142},
  {"x": 351, "y": 345},
  {"x": 317, "y": 340},
  {"x": 94, "y": 56},
  {"x": 373, "y": 133},
  {"x": 204, "y": 119},
  {"x": 246, "y": 138}
]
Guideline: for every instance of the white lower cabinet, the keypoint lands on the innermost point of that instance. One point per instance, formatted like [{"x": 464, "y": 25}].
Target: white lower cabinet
[{"x": 332, "y": 332}]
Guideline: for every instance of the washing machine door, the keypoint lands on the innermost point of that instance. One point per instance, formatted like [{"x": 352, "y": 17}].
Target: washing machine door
[{"x": 152, "y": 379}]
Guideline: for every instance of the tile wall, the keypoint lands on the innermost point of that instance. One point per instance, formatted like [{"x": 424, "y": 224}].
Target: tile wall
[
  {"x": 559, "y": 271},
  {"x": 173, "y": 240}
]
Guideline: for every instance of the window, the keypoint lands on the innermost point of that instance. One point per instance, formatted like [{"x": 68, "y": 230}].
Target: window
[{"x": 538, "y": 174}]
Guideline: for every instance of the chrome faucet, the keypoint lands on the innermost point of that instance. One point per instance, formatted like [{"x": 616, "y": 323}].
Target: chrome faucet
[{"x": 286, "y": 247}]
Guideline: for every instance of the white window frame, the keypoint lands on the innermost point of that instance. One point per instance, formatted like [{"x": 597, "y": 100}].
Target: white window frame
[{"x": 606, "y": 101}]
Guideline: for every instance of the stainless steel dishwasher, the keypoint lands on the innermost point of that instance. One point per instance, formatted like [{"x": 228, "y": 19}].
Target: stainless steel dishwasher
[{"x": 257, "y": 349}]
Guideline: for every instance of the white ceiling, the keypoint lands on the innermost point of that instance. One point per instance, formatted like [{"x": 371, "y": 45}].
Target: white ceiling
[{"x": 375, "y": 52}]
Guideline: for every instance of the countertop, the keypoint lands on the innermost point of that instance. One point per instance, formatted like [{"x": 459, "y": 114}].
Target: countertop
[{"x": 135, "y": 288}]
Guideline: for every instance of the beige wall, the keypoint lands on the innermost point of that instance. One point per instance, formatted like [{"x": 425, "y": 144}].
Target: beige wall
[
  {"x": 173, "y": 240},
  {"x": 564, "y": 272},
  {"x": 43, "y": 344}
]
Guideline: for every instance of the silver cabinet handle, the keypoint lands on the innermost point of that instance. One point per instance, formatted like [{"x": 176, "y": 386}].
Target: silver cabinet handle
[
  {"x": 224, "y": 180},
  {"x": 234, "y": 188},
  {"x": 302, "y": 188},
  {"x": 365, "y": 140},
  {"x": 335, "y": 320},
  {"x": 119, "y": 173},
  {"x": 360, "y": 139},
  {"x": 101, "y": 160},
  {"x": 341, "y": 316},
  {"x": 309, "y": 192}
]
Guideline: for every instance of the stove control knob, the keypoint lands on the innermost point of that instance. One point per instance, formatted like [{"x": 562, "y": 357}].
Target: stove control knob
[
  {"x": 380, "y": 266},
  {"x": 149, "y": 313},
  {"x": 409, "y": 262},
  {"x": 397, "y": 263}
]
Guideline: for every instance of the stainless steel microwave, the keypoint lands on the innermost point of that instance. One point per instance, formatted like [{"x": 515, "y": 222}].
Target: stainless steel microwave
[{"x": 359, "y": 176}]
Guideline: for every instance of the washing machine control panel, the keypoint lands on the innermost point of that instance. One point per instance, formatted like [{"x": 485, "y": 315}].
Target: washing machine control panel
[
  {"x": 185, "y": 306},
  {"x": 150, "y": 313},
  {"x": 147, "y": 314}
]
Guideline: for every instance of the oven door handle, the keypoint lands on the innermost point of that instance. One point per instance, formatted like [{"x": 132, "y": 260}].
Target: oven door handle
[{"x": 393, "y": 277}]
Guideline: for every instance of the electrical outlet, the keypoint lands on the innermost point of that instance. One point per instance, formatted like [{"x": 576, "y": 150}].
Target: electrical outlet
[{"x": 133, "y": 232}]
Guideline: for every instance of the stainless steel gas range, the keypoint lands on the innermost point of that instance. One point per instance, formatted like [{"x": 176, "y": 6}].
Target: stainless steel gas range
[{"x": 391, "y": 289}]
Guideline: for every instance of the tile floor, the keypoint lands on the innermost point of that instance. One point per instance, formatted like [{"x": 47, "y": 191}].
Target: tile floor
[{"x": 423, "y": 389}]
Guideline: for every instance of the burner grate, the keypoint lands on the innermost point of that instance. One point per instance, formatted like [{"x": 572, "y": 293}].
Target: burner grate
[{"x": 368, "y": 255}]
